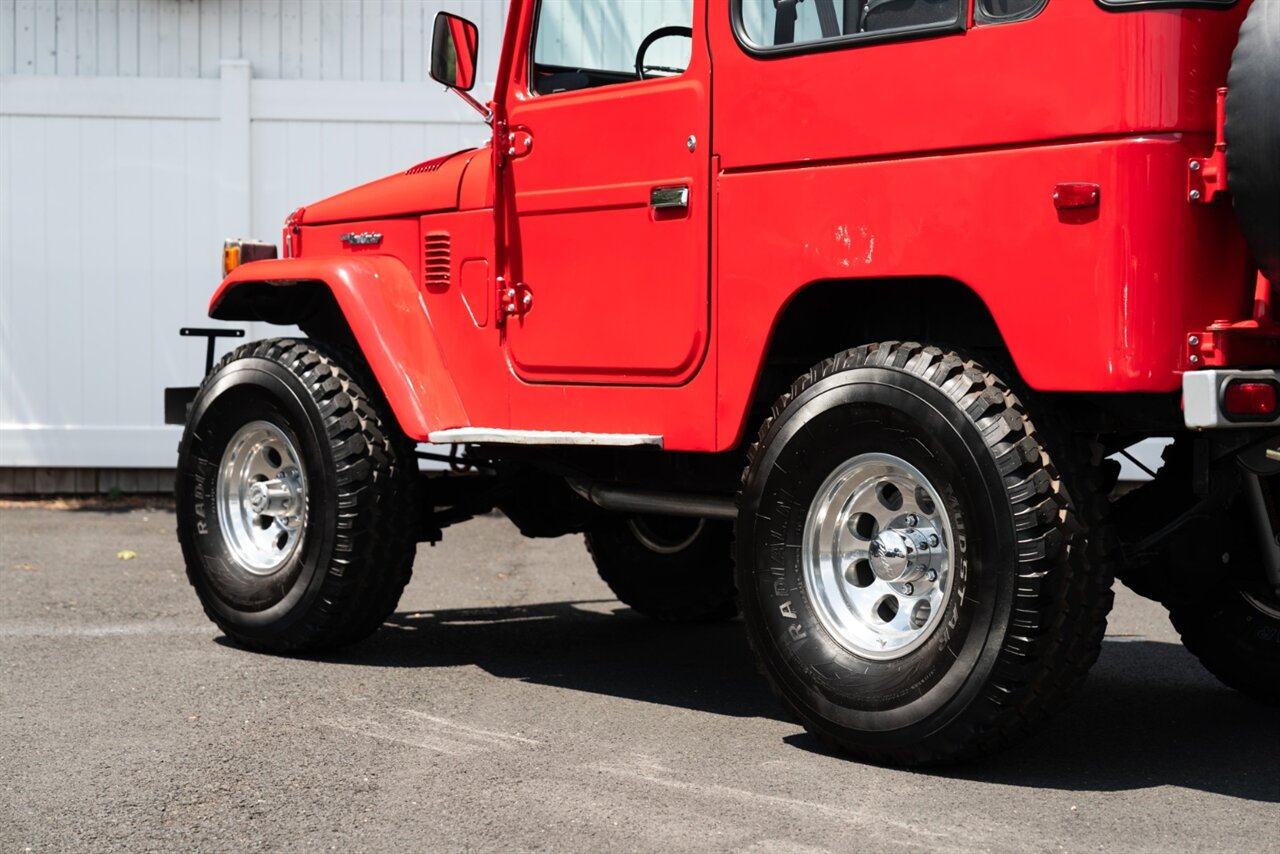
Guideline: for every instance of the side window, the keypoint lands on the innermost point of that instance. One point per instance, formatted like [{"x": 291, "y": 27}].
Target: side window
[
  {"x": 770, "y": 24},
  {"x": 1000, "y": 11},
  {"x": 578, "y": 44}
]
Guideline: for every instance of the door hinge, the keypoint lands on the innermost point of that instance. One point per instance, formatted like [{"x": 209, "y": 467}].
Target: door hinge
[
  {"x": 1207, "y": 176},
  {"x": 511, "y": 143},
  {"x": 519, "y": 142},
  {"x": 513, "y": 300}
]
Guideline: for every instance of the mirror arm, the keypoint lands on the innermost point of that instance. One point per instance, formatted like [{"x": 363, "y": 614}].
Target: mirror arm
[{"x": 474, "y": 104}]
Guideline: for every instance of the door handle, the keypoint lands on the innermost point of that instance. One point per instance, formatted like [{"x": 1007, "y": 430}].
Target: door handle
[{"x": 669, "y": 197}]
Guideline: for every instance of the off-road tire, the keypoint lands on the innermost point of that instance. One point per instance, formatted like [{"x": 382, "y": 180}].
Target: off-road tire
[
  {"x": 1226, "y": 613},
  {"x": 1237, "y": 640},
  {"x": 690, "y": 582},
  {"x": 356, "y": 553},
  {"x": 1028, "y": 624}
]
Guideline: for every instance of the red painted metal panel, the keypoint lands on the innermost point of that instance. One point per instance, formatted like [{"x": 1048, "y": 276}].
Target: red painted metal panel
[
  {"x": 400, "y": 194},
  {"x": 619, "y": 289},
  {"x": 1094, "y": 299},
  {"x": 380, "y": 299},
  {"x": 477, "y": 182},
  {"x": 1074, "y": 71}
]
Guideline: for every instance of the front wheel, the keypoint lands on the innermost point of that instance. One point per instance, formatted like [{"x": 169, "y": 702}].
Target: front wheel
[
  {"x": 912, "y": 568},
  {"x": 296, "y": 500}
]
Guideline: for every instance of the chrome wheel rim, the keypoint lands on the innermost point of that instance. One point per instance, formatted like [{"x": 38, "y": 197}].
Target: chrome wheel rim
[
  {"x": 262, "y": 498},
  {"x": 877, "y": 556}
]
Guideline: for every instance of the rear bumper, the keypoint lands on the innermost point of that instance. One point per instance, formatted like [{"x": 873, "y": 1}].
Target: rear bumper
[{"x": 1202, "y": 395}]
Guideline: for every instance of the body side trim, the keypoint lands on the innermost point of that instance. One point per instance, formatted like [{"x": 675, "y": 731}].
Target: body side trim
[{"x": 499, "y": 436}]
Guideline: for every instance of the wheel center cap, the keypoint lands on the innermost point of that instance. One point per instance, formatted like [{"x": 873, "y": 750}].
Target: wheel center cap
[
  {"x": 891, "y": 555},
  {"x": 272, "y": 497},
  {"x": 257, "y": 498}
]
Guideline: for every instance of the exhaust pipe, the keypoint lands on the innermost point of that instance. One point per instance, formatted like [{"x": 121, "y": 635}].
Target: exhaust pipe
[{"x": 622, "y": 500}]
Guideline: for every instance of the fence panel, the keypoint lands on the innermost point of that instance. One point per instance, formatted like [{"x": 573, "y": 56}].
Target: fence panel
[{"x": 116, "y": 195}]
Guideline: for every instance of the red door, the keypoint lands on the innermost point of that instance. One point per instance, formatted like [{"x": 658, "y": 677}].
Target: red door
[{"x": 609, "y": 225}]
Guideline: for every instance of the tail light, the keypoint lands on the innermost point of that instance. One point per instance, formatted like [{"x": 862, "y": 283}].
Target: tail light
[{"x": 1247, "y": 400}]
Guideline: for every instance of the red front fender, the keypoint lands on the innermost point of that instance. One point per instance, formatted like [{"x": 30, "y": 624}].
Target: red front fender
[{"x": 381, "y": 303}]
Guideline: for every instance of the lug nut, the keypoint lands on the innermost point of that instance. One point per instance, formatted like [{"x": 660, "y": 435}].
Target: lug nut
[
  {"x": 933, "y": 575},
  {"x": 908, "y": 588},
  {"x": 933, "y": 541},
  {"x": 912, "y": 520}
]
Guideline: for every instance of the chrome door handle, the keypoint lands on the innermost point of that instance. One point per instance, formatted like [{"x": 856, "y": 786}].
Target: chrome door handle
[{"x": 669, "y": 197}]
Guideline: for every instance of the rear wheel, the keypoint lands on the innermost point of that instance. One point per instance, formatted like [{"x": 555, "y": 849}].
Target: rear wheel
[
  {"x": 296, "y": 500},
  {"x": 1235, "y": 632},
  {"x": 670, "y": 568},
  {"x": 912, "y": 567},
  {"x": 1206, "y": 567}
]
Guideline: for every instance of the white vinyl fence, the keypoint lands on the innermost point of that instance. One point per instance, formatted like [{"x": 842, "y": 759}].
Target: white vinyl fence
[{"x": 117, "y": 190}]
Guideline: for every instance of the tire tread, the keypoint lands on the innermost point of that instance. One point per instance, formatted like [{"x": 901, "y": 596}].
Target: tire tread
[
  {"x": 1064, "y": 579},
  {"x": 377, "y": 501}
]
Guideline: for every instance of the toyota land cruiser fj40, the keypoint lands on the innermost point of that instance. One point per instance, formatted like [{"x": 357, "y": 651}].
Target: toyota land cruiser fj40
[{"x": 825, "y": 312}]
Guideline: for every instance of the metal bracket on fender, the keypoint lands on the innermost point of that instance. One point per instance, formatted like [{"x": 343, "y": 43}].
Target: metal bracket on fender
[{"x": 1247, "y": 342}]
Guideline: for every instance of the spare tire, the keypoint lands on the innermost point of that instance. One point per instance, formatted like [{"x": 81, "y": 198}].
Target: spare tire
[{"x": 1253, "y": 133}]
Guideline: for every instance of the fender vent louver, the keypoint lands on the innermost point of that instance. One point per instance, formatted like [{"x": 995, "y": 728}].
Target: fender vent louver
[{"x": 437, "y": 255}]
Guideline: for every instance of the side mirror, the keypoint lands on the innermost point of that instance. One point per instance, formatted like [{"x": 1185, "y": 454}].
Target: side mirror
[{"x": 454, "y": 44}]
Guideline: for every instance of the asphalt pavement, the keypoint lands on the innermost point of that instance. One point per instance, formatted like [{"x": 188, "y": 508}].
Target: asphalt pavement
[{"x": 511, "y": 704}]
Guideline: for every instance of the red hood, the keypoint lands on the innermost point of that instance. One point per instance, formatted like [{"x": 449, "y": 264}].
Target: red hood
[{"x": 427, "y": 187}]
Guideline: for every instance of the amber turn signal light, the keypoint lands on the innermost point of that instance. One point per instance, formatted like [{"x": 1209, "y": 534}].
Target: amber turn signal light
[
  {"x": 230, "y": 257},
  {"x": 236, "y": 252}
]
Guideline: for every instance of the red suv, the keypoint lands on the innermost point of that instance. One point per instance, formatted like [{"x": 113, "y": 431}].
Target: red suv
[{"x": 825, "y": 312}]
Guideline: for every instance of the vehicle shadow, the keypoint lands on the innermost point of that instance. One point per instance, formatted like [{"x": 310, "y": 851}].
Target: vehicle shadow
[
  {"x": 705, "y": 667},
  {"x": 1148, "y": 716}
]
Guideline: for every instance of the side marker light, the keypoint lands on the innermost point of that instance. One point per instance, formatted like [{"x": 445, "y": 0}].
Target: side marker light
[{"x": 1071, "y": 196}]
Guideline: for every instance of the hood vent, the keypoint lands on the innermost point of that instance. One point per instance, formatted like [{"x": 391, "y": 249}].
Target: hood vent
[
  {"x": 427, "y": 165},
  {"x": 433, "y": 164},
  {"x": 437, "y": 255}
]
